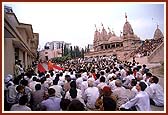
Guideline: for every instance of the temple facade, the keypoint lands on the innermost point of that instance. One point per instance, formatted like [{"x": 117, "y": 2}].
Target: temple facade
[{"x": 109, "y": 44}]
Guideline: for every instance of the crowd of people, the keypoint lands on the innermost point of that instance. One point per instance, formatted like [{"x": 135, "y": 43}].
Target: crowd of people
[
  {"x": 105, "y": 84},
  {"x": 147, "y": 47}
]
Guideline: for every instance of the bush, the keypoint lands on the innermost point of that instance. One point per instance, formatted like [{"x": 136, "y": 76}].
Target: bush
[{"x": 61, "y": 59}]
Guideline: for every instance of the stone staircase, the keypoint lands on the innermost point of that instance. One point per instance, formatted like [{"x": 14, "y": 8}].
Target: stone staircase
[
  {"x": 144, "y": 60},
  {"x": 157, "y": 55}
]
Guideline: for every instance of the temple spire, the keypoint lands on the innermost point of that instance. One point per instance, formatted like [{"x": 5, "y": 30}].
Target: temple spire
[
  {"x": 157, "y": 26},
  {"x": 95, "y": 27}
]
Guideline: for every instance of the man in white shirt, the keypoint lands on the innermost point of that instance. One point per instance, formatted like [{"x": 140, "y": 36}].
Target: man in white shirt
[
  {"x": 123, "y": 73},
  {"x": 128, "y": 79},
  {"x": 91, "y": 94},
  {"x": 155, "y": 92},
  {"x": 52, "y": 103},
  {"x": 22, "y": 105},
  {"x": 79, "y": 81},
  {"x": 140, "y": 102},
  {"x": 146, "y": 77},
  {"x": 58, "y": 89},
  {"x": 84, "y": 86},
  {"x": 112, "y": 82}
]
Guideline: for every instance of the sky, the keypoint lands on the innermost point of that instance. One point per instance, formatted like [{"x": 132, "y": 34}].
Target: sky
[{"x": 75, "y": 22}]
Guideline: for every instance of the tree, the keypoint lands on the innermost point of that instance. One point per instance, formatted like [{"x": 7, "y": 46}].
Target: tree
[
  {"x": 62, "y": 50},
  {"x": 82, "y": 53},
  {"x": 88, "y": 48},
  {"x": 71, "y": 51},
  {"x": 66, "y": 50},
  {"x": 85, "y": 49},
  {"x": 78, "y": 53},
  {"x": 75, "y": 52}
]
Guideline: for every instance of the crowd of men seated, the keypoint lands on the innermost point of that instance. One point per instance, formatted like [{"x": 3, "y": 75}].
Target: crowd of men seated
[{"x": 102, "y": 85}]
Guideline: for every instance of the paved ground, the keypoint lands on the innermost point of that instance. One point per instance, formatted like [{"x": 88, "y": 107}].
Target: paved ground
[{"x": 154, "y": 108}]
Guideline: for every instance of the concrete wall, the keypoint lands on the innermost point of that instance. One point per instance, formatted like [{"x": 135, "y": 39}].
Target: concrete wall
[
  {"x": 9, "y": 56},
  {"x": 21, "y": 57},
  {"x": 23, "y": 34}
]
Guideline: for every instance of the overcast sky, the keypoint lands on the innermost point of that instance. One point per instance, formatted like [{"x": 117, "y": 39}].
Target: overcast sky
[{"x": 75, "y": 22}]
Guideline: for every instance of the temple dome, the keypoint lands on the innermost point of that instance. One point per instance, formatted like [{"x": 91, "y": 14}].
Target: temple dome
[
  {"x": 158, "y": 34},
  {"x": 115, "y": 39},
  {"x": 127, "y": 29}
]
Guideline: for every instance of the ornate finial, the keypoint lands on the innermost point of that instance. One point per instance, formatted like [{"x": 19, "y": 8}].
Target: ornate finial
[
  {"x": 109, "y": 29},
  {"x": 113, "y": 32},
  {"x": 120, "y": 33},
  {"x": 157, "y": 26},
  {"x": 155, "y": 22},
  {"x": 126, "y": 16},
  {"x": 102, "y": 25},
  {"x": 95, "y": 27}
]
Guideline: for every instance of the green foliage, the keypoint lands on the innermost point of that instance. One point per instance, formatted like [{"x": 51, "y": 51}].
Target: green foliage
[
  {"x": 69, "y": 53},
  {"x": 61, "y": 59},
  {"x": 66, "y": 51}
]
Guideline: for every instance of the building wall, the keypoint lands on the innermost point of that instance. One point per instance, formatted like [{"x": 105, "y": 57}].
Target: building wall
[
  {"x": 50, "y": 54},
  {"x": 16, "y": 35},
  {"x": 23, "y": 33},
  {"x": 25, "y": 60},
  {"x": 9, "y": 59}
]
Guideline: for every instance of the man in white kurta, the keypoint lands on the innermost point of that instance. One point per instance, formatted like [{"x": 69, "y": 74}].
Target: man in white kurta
[
  {"x": 141, "y": 101},
  {"x": 91, "y": 94},
  {"x": 155, "y": 91}
]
